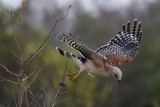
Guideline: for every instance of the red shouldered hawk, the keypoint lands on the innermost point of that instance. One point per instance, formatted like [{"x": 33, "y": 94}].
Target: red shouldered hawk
[{"x": 104, "y": 61}]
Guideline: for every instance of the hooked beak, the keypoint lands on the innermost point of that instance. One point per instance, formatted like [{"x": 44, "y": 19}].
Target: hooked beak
[{"x": 119, "y": 79}]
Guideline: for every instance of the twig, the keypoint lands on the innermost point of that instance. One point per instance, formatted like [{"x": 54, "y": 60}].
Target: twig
[
  {"x": 14, "y": 97},
  {"x": 5, "y": 68},
  {"x": 43, "y": 101},
  {"x": 8, "y": 80},
  {"x": 20, "y": 94},
  {"x": 63, "y": 80},
  {"x": 41, "y": 44},
  {"x": 13, "y": 29},
  {"x": 57, "y": 20},
  {"x": 55, "y": 98},
  {"x": 20, "y": 15},
  {"x": 62, "y": 83},
  {"x": 31, "y": 57},
  {"x": 35, "y": 97},
  {"x": 26, "y": 99},
  {"x": 28, "y": 76},
  {"x": 29, "y": 90},
  {"x": 66, "y": 68},
  {"x": 6, "y": 40},
  {"x": 39, "y": 99},
  {"x": 36, "y": 55},
  {"x": 31, "y": 95},
  {"x": 47, "y": 95},
  {"x": 64, "y": 100},
  {"x": 34, "y": 77}
]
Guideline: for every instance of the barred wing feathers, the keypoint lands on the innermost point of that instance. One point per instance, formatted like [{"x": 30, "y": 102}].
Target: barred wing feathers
[
  {"x": 76, "y": 44},
  {"x": 124, "y": 46}
]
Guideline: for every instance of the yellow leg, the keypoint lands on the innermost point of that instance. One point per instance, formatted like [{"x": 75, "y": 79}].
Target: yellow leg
[{"x": 73, "y": 75}]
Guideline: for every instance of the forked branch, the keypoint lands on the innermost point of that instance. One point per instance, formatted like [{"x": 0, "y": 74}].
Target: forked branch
[{"x": 7, "y": 45}]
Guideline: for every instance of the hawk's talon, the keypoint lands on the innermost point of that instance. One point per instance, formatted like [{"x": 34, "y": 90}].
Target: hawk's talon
[
  {"x": 73, "y": 78},
  {"x": 73, "y": 75}
]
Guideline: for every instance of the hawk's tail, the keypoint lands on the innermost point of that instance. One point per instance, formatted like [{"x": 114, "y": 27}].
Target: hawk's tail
[{"x": 72, "y": 56}]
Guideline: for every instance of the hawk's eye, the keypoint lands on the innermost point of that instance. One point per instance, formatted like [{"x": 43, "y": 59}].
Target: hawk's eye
[{"x": 116, "y": 76}]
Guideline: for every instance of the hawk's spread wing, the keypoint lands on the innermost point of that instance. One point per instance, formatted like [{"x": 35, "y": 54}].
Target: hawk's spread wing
[{"x": 124, "y": 46}]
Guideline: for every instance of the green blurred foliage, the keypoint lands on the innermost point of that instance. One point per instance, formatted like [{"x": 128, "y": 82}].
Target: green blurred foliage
[{"x": 140, "y": 83}]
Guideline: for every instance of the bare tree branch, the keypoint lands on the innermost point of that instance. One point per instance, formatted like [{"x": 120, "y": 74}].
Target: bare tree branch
[
  {"x": 8, "y": 80},
  {"x": 14, "y": 97},
  {"x": 35, "y": 98},
  {"x": 47, "y": 95},
  {"x": 20, "y": 15},
  {"x": 43, "y": 100},
  {"x": 24, "y": 64},
  {"x": 41, "y": 44},
  {"x": 34, "y": 78},
  {"x": 28, "y": 76},
  {"x": 6, "y": 40},
  {"x": 38, "y": 98},
  {"x": 5, "y": 68},
  {"x": 57, "y": 20},
  {"x": 55, "y": 98},
  {"x": 64, "y": 100},
  {"x": 13, "y": 29},
  {"x": 26, "y": 99},
  {"x": 37, "y": 54}
]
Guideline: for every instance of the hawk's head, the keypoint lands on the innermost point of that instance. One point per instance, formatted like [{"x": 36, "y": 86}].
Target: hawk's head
[{"x": 116, "y": 72}]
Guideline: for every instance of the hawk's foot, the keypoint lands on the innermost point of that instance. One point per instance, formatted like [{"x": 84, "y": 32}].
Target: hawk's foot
[{"x": 73, "y": 75}]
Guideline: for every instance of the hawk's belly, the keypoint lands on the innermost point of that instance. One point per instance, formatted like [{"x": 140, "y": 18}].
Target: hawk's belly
[{"x": 94, "y": 69}]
